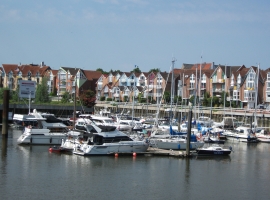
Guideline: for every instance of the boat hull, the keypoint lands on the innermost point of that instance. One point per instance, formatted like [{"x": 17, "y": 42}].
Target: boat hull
[
  {"x": 177, "y": 145},
  {"x": 110, "y": 148},
  {"x": 242, "y": 139},
  {"x": 41, "y": 139},
  {"x": 213, "y": 152}
]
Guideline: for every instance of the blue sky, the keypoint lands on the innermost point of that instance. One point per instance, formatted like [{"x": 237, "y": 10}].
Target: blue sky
[{"x": 119, "y": 34}]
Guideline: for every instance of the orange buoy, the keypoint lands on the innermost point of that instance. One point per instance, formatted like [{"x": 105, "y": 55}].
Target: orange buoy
[
  {"x": 134, "y": 154},
  {"x": 116, "y": 154}
]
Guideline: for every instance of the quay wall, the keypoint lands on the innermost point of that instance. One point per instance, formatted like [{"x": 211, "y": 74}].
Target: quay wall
[{"x": 217, "y": 114}]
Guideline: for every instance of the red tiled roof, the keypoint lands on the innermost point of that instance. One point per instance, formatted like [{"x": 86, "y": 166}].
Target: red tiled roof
[{"x": 90, "y": 75}]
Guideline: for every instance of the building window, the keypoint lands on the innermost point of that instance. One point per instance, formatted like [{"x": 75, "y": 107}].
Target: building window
[{"x": 235, "y": 95}]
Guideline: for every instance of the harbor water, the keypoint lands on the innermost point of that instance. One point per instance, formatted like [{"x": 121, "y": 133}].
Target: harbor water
[{"x": 32, "y": 172}]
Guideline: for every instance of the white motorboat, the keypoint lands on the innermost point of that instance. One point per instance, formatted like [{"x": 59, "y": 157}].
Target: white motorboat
[
  {"x": 215, "y": 150},
  {"x": 133, "y": 124},
  {"x": 45, "y": 133},
  {"x": 108, "y": 140},
  {"x": 262, "y": 136},
  {"x": 21, "y": 120},
  {"x": 241, "y": 134}
]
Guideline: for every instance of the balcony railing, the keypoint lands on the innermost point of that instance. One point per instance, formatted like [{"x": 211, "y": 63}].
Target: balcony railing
[
  {"x": 218, "y": 90},
  {"x": 249, "y": 88},
  {"x": 123, "y": 80},
  {"x": 116, "y": 95},
  {"x": 249, "y": 99},
  {"x": 221, "y": 80},
  {"x": 131, "y": 80}
]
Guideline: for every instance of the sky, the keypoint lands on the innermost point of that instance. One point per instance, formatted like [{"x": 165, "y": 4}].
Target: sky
[{"x": 119, "y": 34}]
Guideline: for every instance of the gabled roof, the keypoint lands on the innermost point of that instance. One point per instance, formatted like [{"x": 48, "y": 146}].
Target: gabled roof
[
  {"x": 203, "y": 65},
  {"x": 34, "y": 69},
  {"x": 92, "y": 75},
  {"x": 54, "y": 72},
  {"x": 208, "y": 73},
  {"x": 72, "y": 71},
  {"x": 187, "y": 66}
]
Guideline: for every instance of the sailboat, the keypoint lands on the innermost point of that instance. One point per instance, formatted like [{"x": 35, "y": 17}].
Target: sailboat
[{"x": 178, "y": 142}]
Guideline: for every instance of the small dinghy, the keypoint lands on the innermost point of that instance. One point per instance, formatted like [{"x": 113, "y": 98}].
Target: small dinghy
[{"x": 56, "y": 149}]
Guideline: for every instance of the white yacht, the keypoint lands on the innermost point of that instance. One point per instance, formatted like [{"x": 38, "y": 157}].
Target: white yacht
[
  {"x": 45, "y": 133},
  {"x": 241, "y": 134},
  {"x": 104, "y": 140},
  {"x": 262, "y": 135},
  {"x": 178, "y": 143},
  {"x": 21, "y": 120}
]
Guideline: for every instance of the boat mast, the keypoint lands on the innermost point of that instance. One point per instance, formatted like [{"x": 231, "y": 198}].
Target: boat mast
[
  {"x": 200, "y": 82},
  {"x": 224, "y": 97},
  {"x": 256, "y": 98},
  {"x": 196, "y": 88},
  {"x": 74, "y": 112},
  {"x": 29, "y": 100},
  {"x": 172, "y": 90}
]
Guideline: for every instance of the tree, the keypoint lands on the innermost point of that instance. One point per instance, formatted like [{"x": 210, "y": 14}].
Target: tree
[
  {"x": 99, "y": 70},
  {"x": 65, "y": 97},
  {"x": 154, "y": 70},
  {"x": 167, "y": 96},
  {"x": 42, "y": 95},
  {"x": 88, "y": 98},
  {"x": 102, "y": 71},
  {"x": 136, "y": 69}
]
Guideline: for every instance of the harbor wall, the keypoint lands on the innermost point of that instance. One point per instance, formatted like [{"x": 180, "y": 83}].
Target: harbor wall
[{"x": 217, "y": 113}]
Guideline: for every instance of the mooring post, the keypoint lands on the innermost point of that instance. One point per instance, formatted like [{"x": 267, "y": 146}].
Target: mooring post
[
  {"x": 5, "y": 114},
  {"x": 189, "y": 132}
]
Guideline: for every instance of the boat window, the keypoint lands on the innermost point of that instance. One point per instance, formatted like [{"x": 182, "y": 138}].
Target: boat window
[
  {"x": 241, "y": 131},
  {"x": 108, "y": 121}
]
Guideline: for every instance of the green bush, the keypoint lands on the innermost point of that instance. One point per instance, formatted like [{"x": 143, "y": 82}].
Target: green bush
[
  {"x": 109, "y": 99},
  {"x": 102, "y": 98}
]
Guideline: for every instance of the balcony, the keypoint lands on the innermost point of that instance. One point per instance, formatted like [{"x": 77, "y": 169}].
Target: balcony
[
  {"x": 159, "y": 86},
  {"x": 123, "y": 80},
  {"x": 249, "y": 99},
  {"x": 131, "y": 80},
  {"x": 249, "y": 88},
  {"x": 191, "y": 88},
  {"x": 221, "y": 80},
  {"x": 218, "y": 90},
  {"x": 116, "y": 95}
]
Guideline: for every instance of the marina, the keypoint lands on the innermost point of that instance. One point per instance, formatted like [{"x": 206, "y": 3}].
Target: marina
[{"x": 32, "y": 171}]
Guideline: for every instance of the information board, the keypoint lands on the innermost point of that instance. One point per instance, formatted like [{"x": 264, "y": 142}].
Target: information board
[{"x": 27, "y": 89}]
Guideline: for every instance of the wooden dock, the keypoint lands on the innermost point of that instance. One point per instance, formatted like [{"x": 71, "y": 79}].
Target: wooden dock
[{"x": 151, "y": 151}]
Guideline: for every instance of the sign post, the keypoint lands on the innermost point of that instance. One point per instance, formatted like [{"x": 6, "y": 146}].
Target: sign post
[{"x": 27, "y": 90}]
